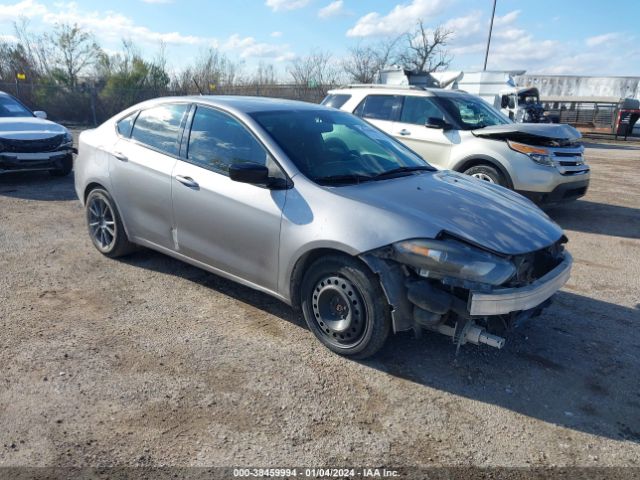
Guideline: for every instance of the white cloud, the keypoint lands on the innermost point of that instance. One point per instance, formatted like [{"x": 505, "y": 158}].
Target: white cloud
[
  {"x": 25, "y": 8},
  {"x": 603, "y": 39},
  {"x": 333, "y": 9},
  {"x": 282, "y": 5},
  {"x": 506, "y": 19},
  {"x": 249, "y": 47},
  {"x": 115, "y": 26},
  {"x": 8, "y": 39},
  {"x": 275, "y": 34},
  {"x": 399, "y": 20}
]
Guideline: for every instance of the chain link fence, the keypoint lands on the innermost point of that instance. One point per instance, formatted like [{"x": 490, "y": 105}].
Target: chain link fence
[{"x": 90, "y": 105}]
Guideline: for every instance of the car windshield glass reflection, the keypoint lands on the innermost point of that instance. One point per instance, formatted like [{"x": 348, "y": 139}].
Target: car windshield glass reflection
[
  {"x": 10, "y": 108},
  {"x": 336, "y": 147},
  {"x": 471, "y": 113}
]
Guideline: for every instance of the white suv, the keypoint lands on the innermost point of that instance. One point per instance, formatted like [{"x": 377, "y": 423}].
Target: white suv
[{"x": 454, "y": 130}]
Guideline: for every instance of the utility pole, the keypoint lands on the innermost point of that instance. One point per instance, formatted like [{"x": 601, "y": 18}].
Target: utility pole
[{"x": 486, "y": 55}]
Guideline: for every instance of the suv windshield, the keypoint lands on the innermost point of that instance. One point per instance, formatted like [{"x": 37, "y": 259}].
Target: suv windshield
[
  {"x": 332, "y": 147},
  {"x": 9, "y": 107},
  {"x": 470, "y": 112}
]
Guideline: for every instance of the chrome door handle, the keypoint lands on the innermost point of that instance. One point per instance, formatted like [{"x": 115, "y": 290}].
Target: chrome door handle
[
  {"x": 120, "y": 156},
  {"x": 404, "y": 132},
  {"x": 187, "y": 181}
]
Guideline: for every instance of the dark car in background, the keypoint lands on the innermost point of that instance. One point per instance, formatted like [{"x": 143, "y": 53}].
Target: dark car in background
[{"x": 30, "y": 142}]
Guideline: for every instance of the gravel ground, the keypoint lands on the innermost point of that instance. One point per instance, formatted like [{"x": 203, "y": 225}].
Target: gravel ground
[{"x": 148, "y": 361}]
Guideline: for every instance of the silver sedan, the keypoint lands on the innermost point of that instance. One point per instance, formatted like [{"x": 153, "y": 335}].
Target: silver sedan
[{"x": 323, "y": 211}]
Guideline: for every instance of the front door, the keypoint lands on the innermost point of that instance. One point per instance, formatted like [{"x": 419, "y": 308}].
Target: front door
[
  {"x": 233, "y": 227},
  {"x": 433, "y": 144}
]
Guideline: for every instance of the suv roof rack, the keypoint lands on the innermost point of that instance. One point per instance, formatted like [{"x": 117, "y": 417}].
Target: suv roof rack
[{"x": 384, "y": 85}]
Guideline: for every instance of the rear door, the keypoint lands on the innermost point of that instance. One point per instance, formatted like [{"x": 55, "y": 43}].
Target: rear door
[
  {"x": 433, "y": 144},
  {"x": 140, "y": 170},
  {"x": 231, "y": 226},
  {"x": 380, "y": 110}
]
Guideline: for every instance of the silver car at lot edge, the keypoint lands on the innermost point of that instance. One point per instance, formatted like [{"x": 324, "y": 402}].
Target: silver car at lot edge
[{"x": 323, "y": 211}]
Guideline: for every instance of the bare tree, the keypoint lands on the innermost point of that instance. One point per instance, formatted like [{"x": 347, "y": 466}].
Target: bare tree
[
  {"x": 425, "y": 49},
  {"x": 314, "y": 69},
  {"x": 365, "y": 61},
  {"x": 68, "y": 52}
]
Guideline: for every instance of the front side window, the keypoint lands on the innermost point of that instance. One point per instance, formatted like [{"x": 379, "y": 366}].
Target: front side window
[
  {"x": 417, "y": 110},
  {"x": 470, "y": 112},
  {"x": 10, "y": 107},
  {"x": 218, "y": 140},
  {"x": 333, "y": 146},
  {"x": 159, "y": 127},
  {"x": 380, "y": 107}
]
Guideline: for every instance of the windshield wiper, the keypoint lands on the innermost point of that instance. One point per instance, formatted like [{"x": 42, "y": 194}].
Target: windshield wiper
[
  {"x": 400, "y": 170},
  {"x": 344, "y": 179}
]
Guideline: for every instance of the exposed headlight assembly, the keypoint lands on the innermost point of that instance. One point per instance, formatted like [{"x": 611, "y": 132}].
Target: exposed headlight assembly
[
  {"x": 537, "y": 154},
  {"x": 68, "y": 140},
  {"x": 440, "y": 259}
]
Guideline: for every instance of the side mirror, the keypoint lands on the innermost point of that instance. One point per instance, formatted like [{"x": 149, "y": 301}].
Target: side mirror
[
  {"x": 40, "y": 114},
  {"x": 435, "y": 122},
  {"x": 249, "y": 172}
]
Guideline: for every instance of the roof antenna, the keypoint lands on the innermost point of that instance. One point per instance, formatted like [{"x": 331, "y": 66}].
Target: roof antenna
[{"x": 197, "y": 86}]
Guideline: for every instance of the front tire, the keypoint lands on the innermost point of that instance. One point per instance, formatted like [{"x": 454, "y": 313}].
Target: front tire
[
  {"x": 344, "y": 306},
  {"x": 487, "y": 173},
  {"x": 105, "y": 226}
]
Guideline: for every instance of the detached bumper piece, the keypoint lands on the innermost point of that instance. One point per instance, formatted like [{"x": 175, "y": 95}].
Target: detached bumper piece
[{"x": 507, "y": 300}]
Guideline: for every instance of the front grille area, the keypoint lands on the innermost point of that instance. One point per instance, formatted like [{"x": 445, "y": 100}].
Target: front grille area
[
  {"x": 534, "y": 265},
  {"x": 31, "y": 146}
]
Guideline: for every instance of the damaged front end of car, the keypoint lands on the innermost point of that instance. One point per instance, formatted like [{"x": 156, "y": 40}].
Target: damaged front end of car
[{"x": 465, "y": 292}]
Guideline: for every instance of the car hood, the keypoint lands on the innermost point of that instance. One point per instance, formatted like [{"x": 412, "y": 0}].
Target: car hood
[
  {"x": 28, "y": 128},
  {"x": 482, "y": 214},
  {"x": 531, "y": 133}
]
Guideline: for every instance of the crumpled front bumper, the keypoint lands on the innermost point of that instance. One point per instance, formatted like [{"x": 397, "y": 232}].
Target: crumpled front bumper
[
  {"x": 506, "y": 300},
  {"x": 18, "y": 162}
]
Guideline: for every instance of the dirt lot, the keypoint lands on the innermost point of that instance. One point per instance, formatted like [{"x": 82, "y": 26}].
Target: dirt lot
[{"x": 148, "y": 361}]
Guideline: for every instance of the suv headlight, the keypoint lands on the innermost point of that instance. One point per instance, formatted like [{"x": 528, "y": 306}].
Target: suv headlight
[
  {"x": 537, "y": 154},
  {"x": 439, "y": 259}
]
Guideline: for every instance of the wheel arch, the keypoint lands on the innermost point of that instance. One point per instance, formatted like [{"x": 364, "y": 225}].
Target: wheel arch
[
  {"x": 479, "y": 159},
  {"x": 303, "y": 263},
  {"x": 94, "y": 185}
]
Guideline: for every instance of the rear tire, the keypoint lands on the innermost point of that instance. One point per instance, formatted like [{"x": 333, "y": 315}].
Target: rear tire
[
  {"x": 487, "y": 173},
  {"x": 65, "y": 169},
  {"x": 105, "y": 226},
  {"x": 344, "y": 306}
]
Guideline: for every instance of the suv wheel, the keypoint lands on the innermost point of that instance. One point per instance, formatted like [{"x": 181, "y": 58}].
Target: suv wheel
[
  {"x": 345, "y": 307},
  {"x": 105, "y": 227},
  {"x": 486, "y": 173}
]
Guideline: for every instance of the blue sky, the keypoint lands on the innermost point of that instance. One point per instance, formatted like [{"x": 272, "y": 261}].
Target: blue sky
[{"x": 540, "y": 36}]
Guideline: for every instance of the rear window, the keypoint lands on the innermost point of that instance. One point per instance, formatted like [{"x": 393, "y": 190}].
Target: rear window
[
  {"x": 336, "y": 100},
  {"x": 380, "y": 107},
  {"x": 158, "y": 127}
]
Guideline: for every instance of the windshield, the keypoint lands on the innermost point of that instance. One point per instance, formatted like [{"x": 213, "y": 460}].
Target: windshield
[
  {"x": 10, "y": 107},
  {"x": 331, "y": 147},
  {"x": 471, "y": 112}
]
